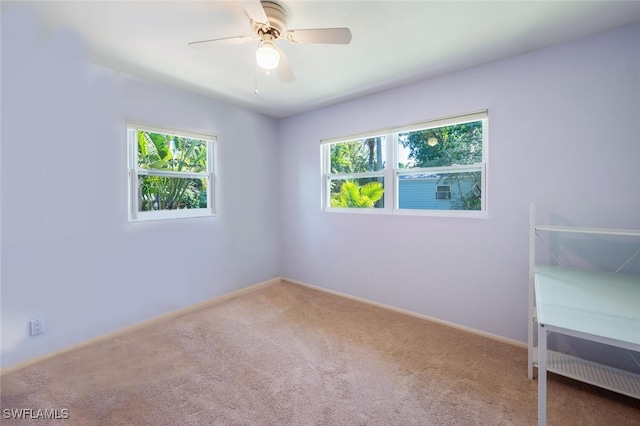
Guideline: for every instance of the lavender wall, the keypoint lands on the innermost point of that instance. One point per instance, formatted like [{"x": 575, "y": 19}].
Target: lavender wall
[
  {"x": 564, "y": 132},
  {"x": 69, "y": 254}
]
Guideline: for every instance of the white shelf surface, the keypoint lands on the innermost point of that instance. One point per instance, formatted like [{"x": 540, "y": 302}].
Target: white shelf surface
[
  {"x": 614, "y": 379},
  {"x": 581, "y": 230},
  {"x": 599, "y": 304}
]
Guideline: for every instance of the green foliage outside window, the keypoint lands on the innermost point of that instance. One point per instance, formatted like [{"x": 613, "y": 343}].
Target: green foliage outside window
[
  {"x": 357, "y": 156},
  {"x": 353, "y": 195},
  {"x": 459, "y": 144},
  {"x": 173, "y": 154},
  {"x": 348, "y": 157}
]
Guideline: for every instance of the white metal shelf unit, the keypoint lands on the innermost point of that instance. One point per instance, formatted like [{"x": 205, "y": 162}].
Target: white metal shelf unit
[
  {"x": 603, "y": 376},
  {"x": 584, "y": 304},
  {"x": 597, "y": 306}
]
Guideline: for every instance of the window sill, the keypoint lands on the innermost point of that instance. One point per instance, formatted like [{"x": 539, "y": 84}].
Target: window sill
[
  {"x": 171, "y": 215},
  {"x": 464, "y": 214}
]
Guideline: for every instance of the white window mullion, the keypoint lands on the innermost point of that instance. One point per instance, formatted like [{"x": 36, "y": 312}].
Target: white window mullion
[
  {"x": 443, "y": 169},
  {"x": 212, "y": 155},
  {"x": 132, "y": 157},
  {"x": 362, "y": 175},
  {"x": 389, "y": 179},
  {"x": 133, "y": 196},
  {"x": 211, "y": 202},
  {"x": 326, "y": 194},
  {"x": 483, "y": 188},
  {"x": 170, "y": 173},
  {"x": 324, "y": 167}
]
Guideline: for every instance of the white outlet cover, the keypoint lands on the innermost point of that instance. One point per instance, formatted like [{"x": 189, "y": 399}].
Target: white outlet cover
[{"x": 37, "y": 326}]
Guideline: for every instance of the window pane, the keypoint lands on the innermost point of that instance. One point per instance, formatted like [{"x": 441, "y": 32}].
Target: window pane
[
  {"x": 166, "y": 152},
  {"x": 171, "y": 193},
  {"x": 441, "y": 191},
  {"x": 458, "y": 144},
  {"x": 358, "y": 156},
  {"x": 357, "y": 193}
]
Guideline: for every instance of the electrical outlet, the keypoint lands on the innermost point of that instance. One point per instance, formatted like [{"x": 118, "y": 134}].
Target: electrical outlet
[{"x": 37, "y": 326}]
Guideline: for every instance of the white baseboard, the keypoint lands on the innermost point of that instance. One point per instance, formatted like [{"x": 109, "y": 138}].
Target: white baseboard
[
  {"x": 413, "y": 314},
  {"x": 219, "y": 299},
  {"x": 137, "y": 326}
]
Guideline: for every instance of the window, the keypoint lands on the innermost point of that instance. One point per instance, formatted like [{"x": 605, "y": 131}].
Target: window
[
  {"x": 170, "y": 173},
  {"x": 430, "y": 168},
  {"x": 356, "y": 178},
  {"x": 443, "y": 192}
]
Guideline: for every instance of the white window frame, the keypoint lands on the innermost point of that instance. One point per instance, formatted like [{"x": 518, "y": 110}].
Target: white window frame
[
  {"x": 391, "y": 172},
  {"x": 132, "y": 127}
]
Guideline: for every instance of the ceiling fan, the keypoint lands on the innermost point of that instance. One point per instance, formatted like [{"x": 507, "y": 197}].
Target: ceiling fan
[{"x": 269, "y": 22}]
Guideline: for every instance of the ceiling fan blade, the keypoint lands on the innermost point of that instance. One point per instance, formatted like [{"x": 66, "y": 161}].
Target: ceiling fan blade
[
  {"x": 255, "y": 11},
  {"x": 320, "y": 36},
  {"x": 227, "y": 41},
  {"x": 285, "y": 73}
]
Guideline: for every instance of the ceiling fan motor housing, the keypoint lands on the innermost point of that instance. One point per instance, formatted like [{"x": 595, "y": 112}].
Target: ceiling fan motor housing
[
  {"x": 277, "y": 20},
  {"x": 268, "y": 20}
]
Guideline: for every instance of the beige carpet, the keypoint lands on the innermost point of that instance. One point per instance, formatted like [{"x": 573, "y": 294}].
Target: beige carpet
[{"x": 289, "y": 355}]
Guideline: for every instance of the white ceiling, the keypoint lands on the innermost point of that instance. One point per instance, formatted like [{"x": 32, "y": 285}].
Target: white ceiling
[{"x": 394, "y": 42}]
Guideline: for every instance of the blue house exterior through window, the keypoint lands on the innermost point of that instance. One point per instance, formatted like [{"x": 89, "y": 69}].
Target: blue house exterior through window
[{"x": 429, "y": 192}]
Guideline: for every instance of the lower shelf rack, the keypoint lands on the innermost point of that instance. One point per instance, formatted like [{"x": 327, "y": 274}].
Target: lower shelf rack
[{"x": 614, "y": 379}]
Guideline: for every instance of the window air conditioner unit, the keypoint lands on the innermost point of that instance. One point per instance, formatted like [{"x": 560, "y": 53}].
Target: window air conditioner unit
[{"x": 443, "y": 192}]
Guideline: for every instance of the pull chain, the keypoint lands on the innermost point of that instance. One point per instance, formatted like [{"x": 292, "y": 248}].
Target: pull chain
[{"x": 255, "y": 79}]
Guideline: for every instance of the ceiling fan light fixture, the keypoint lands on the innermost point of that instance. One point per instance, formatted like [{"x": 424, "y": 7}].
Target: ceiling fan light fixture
[{"x": 267, "y": 56}]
